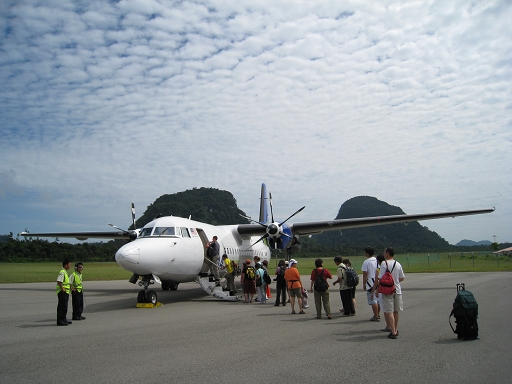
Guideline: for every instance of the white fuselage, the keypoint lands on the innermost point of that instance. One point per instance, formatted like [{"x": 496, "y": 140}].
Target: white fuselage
[{"x": 173, "y": 248}]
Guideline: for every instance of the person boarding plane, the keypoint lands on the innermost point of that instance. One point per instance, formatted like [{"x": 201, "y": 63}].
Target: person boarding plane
[{"x": 171, "y": 250}]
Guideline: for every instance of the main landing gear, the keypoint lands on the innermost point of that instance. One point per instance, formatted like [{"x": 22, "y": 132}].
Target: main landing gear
[{"x": 169, "y": 285}]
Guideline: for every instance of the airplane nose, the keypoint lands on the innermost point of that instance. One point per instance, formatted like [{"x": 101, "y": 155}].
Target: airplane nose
[{"x": 128, "y": 255}]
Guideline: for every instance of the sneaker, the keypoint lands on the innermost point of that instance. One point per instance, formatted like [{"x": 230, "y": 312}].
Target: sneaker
[
  {"x": 376, "y": 319},
  {"x": 386, "y": 329}
]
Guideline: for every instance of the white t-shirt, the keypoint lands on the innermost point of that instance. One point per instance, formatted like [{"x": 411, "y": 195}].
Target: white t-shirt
[
  {"x": 397, "y": 272},
  {"x": 370, "y": 266}
]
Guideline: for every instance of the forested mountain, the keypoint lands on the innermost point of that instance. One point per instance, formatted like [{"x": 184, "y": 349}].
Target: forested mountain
[
  {"x": 412, "y": 237},
  {"x": 208, "y": 205},
  {"x": 470, "y": 243}
]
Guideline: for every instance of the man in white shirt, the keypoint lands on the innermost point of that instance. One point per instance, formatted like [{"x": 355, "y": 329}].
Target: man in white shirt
[
  {"x": 369, "y": 268},
  {"x": 392, "y": 304}
]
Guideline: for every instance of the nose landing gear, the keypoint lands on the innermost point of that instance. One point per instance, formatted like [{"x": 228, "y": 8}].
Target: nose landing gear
[{"x": 147, "y": 295}]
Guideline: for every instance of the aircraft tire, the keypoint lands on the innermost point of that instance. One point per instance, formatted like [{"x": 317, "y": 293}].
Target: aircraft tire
[
  {"x": 141, "y": 297},
  {"x": 173, "y": 286},
  {"x": 151, "y": 297}
]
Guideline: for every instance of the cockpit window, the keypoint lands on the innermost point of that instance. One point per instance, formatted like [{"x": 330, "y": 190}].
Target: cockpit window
[
  {"x": 164, "y": 231},
  {"x": 145, "y": 232},
  {"x": 184, "y": 232}
]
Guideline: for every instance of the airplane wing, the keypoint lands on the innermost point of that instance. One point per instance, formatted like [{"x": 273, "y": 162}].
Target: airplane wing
[
  {"x": 321, "y": 226},
  {"x": 85, "y": 235},
  {"x": 309, "y": 228}
]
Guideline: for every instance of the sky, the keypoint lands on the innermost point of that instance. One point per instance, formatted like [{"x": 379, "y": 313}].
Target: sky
[{"x": 107, "y": 102}]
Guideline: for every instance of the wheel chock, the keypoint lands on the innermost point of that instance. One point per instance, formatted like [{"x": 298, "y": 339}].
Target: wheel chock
[{"x": 149, "y": 305}]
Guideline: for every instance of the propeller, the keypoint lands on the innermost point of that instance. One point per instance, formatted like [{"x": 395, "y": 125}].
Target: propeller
[
  {"x": 133, "y": 234},
  {"x": 274, "y": 229}
]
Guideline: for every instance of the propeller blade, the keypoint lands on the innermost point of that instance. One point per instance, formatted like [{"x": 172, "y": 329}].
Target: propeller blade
[
  {"x": 292, "y": 215},
  {"x": 133, "y": 216},
  {"x": 271, "y": 210},
  {"x": 254, "y": 221},
  {"x": 261, "y": 238},
  {"x": 121, "y": 229}
]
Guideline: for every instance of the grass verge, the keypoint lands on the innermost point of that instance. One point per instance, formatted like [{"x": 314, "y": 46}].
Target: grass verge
[{"x": 435, "y": 263}]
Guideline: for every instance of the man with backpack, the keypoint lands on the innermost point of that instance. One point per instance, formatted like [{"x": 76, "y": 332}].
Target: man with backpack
[
  {"x": 345, "y": 290},
  {"x": 320, "y": 288},
  {"x": 280, "y": 284},
  {"x": 391, "y": 296},
  {"x": 261, "y": 283},
  {"x": 230, "y": 274},
  {"x": 248, "y": 280},
  {"x": 213, "y": 253}
]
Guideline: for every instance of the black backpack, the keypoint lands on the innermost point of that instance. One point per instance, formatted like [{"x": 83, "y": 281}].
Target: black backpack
[
  {"x": 266, "y": 277},
  {"x": 320, "y": 282},
  {"x": 465, "y": 311},
  {"x": 280, "y": 276},
  {"x": 352, "y": 278}
]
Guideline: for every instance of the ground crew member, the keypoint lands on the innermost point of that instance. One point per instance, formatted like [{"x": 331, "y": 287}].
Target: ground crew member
[
  {"x": 63, "y": 289},
  {"x": 77, "y": 295}
]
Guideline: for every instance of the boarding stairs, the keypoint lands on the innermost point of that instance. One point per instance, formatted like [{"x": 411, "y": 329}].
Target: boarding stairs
[{"x": 213, "y": 288}]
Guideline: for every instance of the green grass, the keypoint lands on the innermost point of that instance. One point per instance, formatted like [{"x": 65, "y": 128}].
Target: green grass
[
  {"x": 416, "y": 263},
  {"x": 444, "y": 262},
  {"x": 43, "y": 272}
]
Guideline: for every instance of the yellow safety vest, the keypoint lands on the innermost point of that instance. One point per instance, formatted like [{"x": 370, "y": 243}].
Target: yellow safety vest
[
  {"x": 65, "y": 283},
  {"x": 77, "y": 281}
]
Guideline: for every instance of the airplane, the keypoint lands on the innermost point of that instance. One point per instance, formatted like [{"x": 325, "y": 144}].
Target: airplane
[{"x": 171, "y": 250}]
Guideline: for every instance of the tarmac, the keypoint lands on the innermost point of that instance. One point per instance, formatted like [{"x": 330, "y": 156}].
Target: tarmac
[{"x": 195, "y": 338}]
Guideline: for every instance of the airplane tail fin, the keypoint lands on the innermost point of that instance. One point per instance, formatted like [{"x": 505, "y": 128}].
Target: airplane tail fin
[{"x": 264, "y": 205}]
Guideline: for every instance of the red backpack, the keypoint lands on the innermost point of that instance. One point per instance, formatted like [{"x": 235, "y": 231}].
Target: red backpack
[{"x": 386, "y": 282}]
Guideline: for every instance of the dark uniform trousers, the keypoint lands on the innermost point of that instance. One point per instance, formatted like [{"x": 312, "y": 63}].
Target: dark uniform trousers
[
  {"x": 78, "y": 303},
  {"x": 62, "y": 306}
]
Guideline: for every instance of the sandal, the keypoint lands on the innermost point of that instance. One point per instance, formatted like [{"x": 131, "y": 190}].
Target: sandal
[
  {"x": 302, "y": 313},
  {"x": 329, "y": 317},
  {"x": 319, "y": 317},
  {"x": 293, "y": 312}
]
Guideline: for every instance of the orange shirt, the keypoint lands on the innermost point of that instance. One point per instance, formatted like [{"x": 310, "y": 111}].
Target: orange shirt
[{"x": 292, "y": 277}]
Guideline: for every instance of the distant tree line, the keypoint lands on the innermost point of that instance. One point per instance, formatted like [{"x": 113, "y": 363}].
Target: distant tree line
[
  {"x": 36, "y": 250},
  {"x": 13, "y": 250}
]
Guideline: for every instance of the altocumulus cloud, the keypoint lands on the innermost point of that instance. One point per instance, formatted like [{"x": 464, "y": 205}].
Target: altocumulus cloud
[{"x": 103, "y": 103}]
